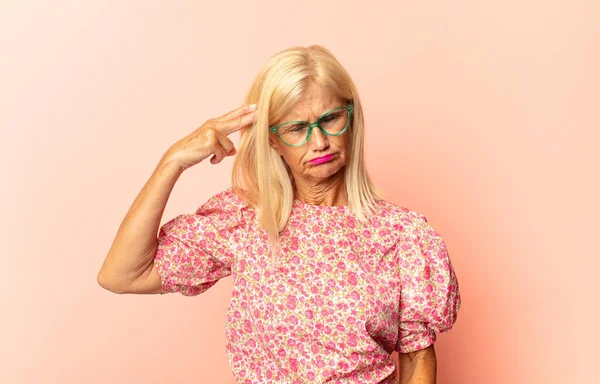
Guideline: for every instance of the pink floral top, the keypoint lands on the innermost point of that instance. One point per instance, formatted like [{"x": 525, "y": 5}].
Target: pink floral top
[{"x": 343, "y": 298}]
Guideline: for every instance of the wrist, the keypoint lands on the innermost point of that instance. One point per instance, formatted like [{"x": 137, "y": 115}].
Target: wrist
[
  {"x": 169, "y": 164},
  {"x": 168, "y": 172}
]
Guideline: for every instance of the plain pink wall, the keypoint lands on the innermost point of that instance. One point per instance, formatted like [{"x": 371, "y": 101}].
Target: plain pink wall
[{"x": 482, "y": 115}]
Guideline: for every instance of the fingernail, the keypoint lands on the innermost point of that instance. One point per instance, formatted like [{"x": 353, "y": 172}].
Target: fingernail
[{"x": 252, "y": 106}]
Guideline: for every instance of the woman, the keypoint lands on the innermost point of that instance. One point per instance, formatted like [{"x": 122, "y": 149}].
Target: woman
[{"x": 329, "y": 278}]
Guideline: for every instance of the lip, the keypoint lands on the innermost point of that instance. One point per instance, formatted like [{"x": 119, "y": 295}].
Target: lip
[{"x": 322, "y": 159}]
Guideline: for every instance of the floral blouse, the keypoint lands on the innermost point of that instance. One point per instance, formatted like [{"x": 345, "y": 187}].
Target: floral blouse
[{"x": 343, "y": 297}]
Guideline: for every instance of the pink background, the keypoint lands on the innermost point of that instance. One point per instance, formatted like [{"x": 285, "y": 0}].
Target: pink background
[{"x": 482, "y": 115}]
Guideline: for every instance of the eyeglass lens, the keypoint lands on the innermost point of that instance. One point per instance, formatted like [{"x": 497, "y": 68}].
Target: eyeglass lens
[{"x": 296, "y": 133}]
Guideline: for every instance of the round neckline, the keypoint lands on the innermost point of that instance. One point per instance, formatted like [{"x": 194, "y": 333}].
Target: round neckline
[{"x": 342, "y": 208}]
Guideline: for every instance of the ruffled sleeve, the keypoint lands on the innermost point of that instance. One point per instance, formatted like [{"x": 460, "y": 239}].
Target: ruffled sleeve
[
  {"x": 196, "y": 250},
  {"x": 430, "y": 297}
]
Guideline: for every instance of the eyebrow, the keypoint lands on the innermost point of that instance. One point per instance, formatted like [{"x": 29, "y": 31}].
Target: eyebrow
[{"x": 321, "y": 115}]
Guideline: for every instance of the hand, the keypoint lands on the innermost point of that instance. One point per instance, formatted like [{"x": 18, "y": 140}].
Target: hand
[{"x": 210, "y": 139}]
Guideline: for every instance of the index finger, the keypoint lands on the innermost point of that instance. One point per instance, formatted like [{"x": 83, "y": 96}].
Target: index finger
[
  {"x": 237, "y": 112},
  {"x": 229, "y": 126}
]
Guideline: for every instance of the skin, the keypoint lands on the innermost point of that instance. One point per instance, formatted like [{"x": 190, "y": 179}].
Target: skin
[
  {"x": 418, "y": 367},
  {"x": 317, "y": 184}
]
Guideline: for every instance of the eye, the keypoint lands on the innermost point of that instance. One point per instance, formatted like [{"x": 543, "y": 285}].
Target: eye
[
  {"x": 329, "y": 118},
  {"x": 332, "y": 116}
]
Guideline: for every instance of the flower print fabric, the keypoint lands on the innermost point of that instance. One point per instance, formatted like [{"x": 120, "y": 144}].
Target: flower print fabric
[
  {"x": 343, "y": 297},
  {"x": 429, "y": 298},
  {"x": 197, "y": 250}
]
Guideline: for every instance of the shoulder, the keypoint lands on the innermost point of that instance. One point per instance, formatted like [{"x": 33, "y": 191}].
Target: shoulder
[
  {"x": 226, "y": 199},
  {"x": 227, "y": 202},
  {"x": 412, "y": 226},
  {"x": 223, "y": 210},
  {"x": 405, "y": 217}
]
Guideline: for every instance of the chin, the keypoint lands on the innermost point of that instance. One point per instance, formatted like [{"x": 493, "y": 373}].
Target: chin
[{"x": 326, "y": 170}]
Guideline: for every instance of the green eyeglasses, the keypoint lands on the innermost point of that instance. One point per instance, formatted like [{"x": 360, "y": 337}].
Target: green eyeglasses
[{"x": 296, "y": 133}]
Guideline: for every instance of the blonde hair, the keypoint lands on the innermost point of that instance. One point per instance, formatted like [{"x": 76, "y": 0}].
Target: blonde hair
[{"x": 261, "y": 172}]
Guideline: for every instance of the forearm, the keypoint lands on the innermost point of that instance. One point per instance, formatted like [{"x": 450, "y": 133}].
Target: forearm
[
  {"x": 418, "y": 367},
  {"x": 135, "y": 243}
]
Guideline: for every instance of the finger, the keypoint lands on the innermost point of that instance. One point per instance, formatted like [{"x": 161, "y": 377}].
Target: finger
[
  {"x": 229, "y": 126},
  {"x": 244, "y": 109},
  {"x": 219, "y": 155},
  {"x": 225, "y": 143}
]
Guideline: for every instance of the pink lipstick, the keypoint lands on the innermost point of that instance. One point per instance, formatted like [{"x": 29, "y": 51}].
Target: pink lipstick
[{"x": 321, "y": 160}]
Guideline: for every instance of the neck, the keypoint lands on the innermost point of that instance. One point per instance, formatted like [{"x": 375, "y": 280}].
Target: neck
[{"x": 328, "y": 192}]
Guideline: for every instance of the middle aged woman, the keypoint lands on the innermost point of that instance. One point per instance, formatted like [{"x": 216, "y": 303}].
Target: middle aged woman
[{"x": 329, "y": 278}]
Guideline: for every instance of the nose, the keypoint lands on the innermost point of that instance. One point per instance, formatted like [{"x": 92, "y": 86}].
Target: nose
[{"x": 318, "y": 140}]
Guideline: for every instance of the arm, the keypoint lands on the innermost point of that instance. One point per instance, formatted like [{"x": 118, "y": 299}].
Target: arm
[
  {"x": 418, "y": 367},
  {"x": 130, "y": 259},
  {"x": 129, "y": 265}
]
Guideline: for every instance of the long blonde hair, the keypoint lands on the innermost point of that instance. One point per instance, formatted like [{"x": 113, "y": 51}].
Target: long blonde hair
[{"x": 261, "y": 172}]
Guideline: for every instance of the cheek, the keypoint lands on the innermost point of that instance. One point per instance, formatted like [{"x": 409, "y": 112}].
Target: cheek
[
  {"x": 343, "y": 144},
  {"x": 298, "y": 158},
  {"x": 293, "y": 158}
]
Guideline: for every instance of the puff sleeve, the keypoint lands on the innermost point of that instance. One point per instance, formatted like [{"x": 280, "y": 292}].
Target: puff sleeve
[
  {"x": 196, "y": 250},
  {"x": 430, "y": 297}
]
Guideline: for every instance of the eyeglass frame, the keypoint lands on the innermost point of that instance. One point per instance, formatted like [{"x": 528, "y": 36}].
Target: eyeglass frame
[{"x": 349, "y": 108}]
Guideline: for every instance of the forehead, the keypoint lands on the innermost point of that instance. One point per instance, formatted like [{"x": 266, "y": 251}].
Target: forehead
[{"x": 316, "y": 100}]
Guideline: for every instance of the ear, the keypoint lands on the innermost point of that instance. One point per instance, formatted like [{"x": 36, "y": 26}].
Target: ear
[{"x": 275, "y": 144}]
